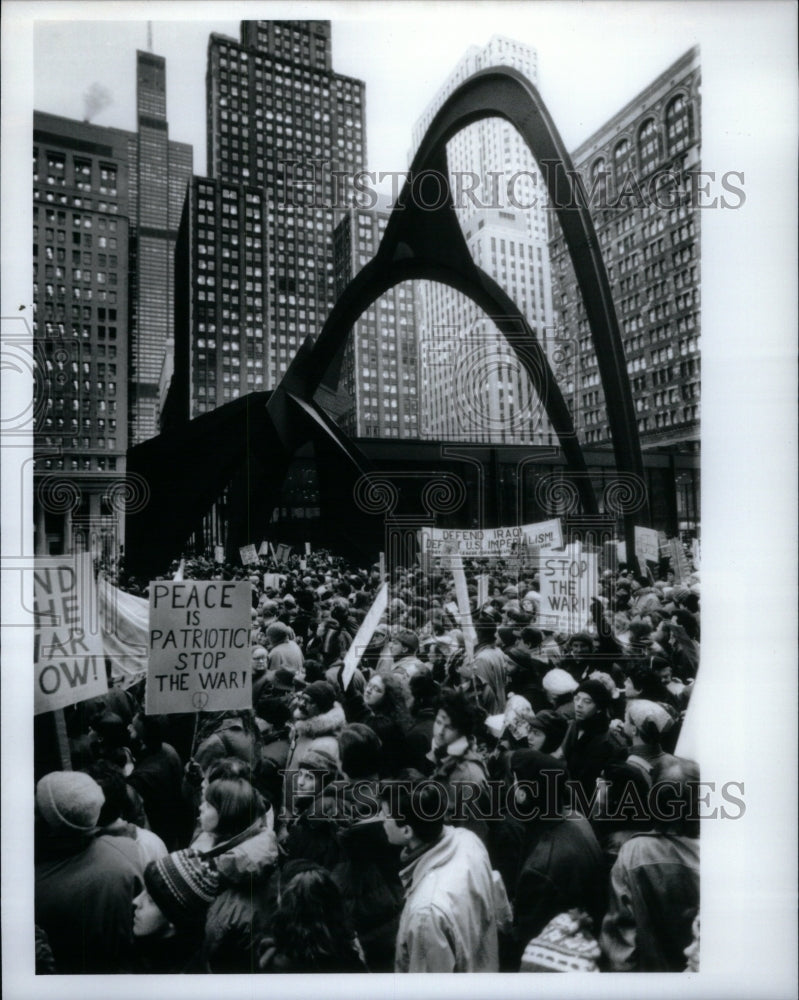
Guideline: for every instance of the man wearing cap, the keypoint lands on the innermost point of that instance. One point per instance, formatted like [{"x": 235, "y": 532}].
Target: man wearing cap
[{"x": 85, "y": 884}]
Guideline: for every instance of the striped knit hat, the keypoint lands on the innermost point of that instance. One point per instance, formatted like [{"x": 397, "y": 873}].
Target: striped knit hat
[{"x": 183, "y": 885}]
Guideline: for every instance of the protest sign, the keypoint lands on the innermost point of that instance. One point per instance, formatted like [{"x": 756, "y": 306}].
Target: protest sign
[
  {"x": 248, "y": 555},
  {"x": 199, "y": 642},
  {"x": 482, "y": 590},
  {"x": 219, "y": 553},
  {"x": 272, "y": 581},
  {"x": 307, "y": 548},
  {"x": 381, "y": 566},
  {"x": 568, "y": 583},
  {"x": 497, "y": 542},
  {"x": 621, "y": 552},
  {"x": 68, "y": 654},
  {"x": 679, "y": 561},
  {"x": 464, "y": 608},
  {"x": 363, "y": 635},
  {"x": 646, "y": 547},
  {"x": 263, "y": 549},
  {"x": 282, "y": 553}
]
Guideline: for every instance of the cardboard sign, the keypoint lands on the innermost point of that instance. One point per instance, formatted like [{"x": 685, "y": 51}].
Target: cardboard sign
[
  {"x": 263, "y": 549},
  {"x": 568, "y": 583},
  {"x": 307, "y": 548},
  {"x": 248, "y": 555},
  {"x": 482, "y": 589},
  {"x": 500, "y": 542},
  {"x": 272, "y": 581},
  {"x": 282, "y": 553},
  {"x": 199, "y": 642},
  {"x": 68, "y": 654},
  {"x": 219, "y": 553},
  {"x": 363, "y": 635},
  {"x": 647, "y": 547}
]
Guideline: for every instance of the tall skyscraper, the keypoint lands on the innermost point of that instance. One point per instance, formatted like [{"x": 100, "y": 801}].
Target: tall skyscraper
[
  {"x": 162, "y": 169},
  {"x": 380, "y": 371},
  {"x": 638, "y": 169},
  {"x": 107, "y": 204},
  {"x": 280, "y": 120},
  {"x": 81, "y": 212},
  {"x": 473, "y": 387},
  {"x": 221, "y": 265}
]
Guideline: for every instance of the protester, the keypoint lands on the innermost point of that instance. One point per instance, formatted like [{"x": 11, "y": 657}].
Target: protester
[
  {"x": 448, "y": 922},
  {"x": 420, "y": 705},
  {"x": 85, "y": 882},
  {"x": 654, "y": 889},
  {"x": 310, "y": 931}
]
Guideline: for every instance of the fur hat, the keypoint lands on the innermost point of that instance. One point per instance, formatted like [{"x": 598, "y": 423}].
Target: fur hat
[
  {"x": 183, "y": 885},
  {"x": 321, "y": 694},
  {"x": 69, "y": 801},
  {"x": 558, "y": 681},
  {"x": 597, "y": 692}
]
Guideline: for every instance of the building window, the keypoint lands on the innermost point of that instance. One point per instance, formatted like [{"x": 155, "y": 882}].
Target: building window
[
  {"x": 678, "y": 124},
  {"x": 621, "y": 162},
  {"x": 649, "y": 152}
]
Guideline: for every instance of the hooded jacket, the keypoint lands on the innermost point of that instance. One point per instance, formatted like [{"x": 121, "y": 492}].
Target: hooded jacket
[
  {"x": 238, "y": 916},
  {"x": 448, "y": 923},
  {"x": 303, "y": 733},
  {"x": 654, "y": 898}
]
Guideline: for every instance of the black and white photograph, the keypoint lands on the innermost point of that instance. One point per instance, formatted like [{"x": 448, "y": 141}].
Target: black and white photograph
[{"x": 399, "y": 498}]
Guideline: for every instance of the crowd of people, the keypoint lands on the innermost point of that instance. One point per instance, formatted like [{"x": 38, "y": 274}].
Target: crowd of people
[{"x": 494, "y": 798}]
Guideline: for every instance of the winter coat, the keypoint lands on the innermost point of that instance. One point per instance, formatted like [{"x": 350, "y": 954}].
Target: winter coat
[
  {"x": 448, "y": 923},
  {"x": 314, "y": 833},
  {"x": 368, "y": 877},
  {"x": 587, "y": 748},
  {"x": 84, "y": 892},
  {"x": 286, "y": 655},
  {"x": 654, "y": 897},
  {"x": 562, "y": 868},
  {"x": 238, "y": 916},
  {"x": 158, "y": 778},
  {"x": 303, "y": 733},
  {"x": 387, "y": 729},
  {"x": 456, "y": 765},
  {"x": 418, "y": 741}
]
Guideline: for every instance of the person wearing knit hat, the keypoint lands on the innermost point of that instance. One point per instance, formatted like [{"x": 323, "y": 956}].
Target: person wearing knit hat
[
  {"x": 182, "y": 885},
  {"x": 284, "y": 652},
  {"x": 85, "y": 883},
  {"x": 588, "y": 746},
  {"x": 69, "y": 802},
  {"x": 321, "y": 695}
]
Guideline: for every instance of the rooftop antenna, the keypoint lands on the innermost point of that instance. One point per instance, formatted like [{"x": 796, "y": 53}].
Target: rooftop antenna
[{"x": 150, "y": 36}]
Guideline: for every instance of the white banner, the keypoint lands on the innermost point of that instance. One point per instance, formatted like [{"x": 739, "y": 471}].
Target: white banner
[{"x": 500, "y": 542}]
